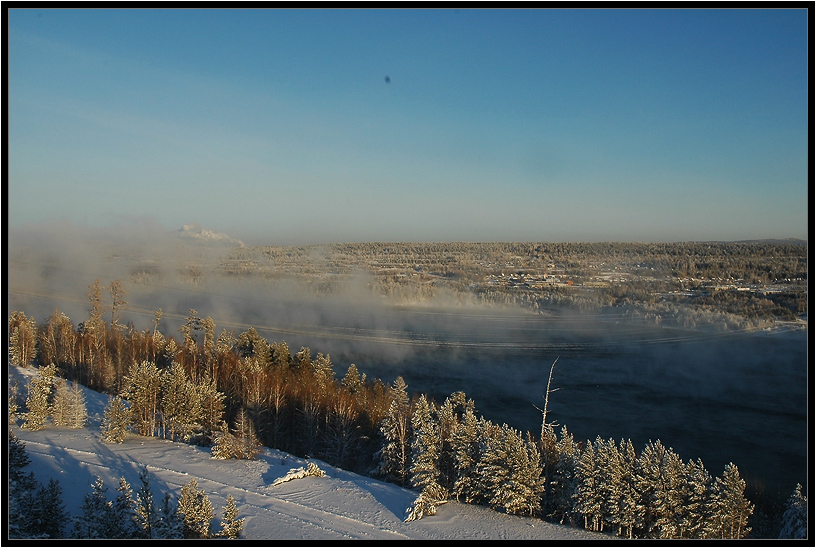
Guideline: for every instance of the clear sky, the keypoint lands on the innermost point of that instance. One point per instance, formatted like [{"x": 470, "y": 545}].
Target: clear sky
[{"x": 312, "y": 126}]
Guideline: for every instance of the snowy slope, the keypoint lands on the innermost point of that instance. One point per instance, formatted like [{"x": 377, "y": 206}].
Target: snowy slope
[{"x": 341, "y": 505}]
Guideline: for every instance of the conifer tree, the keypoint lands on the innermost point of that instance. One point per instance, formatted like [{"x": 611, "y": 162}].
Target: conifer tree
[
  {"x": 22, "y": 339},
  {"x": 115, "y": 420},
  {"x": 697, "y": 503},
  {"x": 563, "y": 481},
  {"x": 731, "y": 509},
  {"x": 122, "y": 512},
  {"x": 93, "y": 521},
  {"x": 69, "y": 408},
  {"x": 146, "y": 510},
  {"x": 169, "y": 524},
  {"x": 395, "y": 454},
  {"x": 51, "y": 515},
  {"x": 180, "y": 403},
  {"x": 13, "y": 406},
  {"x": 231, "y": 524},
  {"x": 795, "y": 517},
  {"x": 38, "y": 401},
  {"x": 143, "y": 386},
  {"x": 588, "y": 495},
  {"x": 196, "y": 511},
  {"x": 425, "y": 447},
  {"x": 467, "y": 452}
]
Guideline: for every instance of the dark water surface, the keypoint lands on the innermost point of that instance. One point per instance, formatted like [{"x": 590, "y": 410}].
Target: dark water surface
[{"x": 721, "y": 397}]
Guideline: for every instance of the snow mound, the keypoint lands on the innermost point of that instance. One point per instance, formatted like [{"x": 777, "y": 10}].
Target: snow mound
[{"x": 193, "y": 231}]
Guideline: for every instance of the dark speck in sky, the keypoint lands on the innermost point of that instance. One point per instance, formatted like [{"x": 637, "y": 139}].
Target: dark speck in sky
[{"x": 387, "y": 79}]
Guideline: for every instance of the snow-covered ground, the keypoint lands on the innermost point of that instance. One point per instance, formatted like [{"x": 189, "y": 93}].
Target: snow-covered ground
[{"x": 340, "y": 505}]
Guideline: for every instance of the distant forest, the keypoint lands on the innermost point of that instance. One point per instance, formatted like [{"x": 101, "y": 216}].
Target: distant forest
[
  {"x": 724, "y": 285},
  {"x": 236, "y": 389}
]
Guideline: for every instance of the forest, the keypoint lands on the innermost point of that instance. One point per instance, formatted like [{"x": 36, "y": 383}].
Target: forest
[{"x": 234, "y": 392}]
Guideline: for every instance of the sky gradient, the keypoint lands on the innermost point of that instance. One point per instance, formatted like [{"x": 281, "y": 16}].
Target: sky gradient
[{"x": 279, "y": 127}]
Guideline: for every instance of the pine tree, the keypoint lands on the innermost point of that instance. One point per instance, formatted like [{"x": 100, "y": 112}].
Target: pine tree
[
  {"x": 395, "y": 454},
  {"x": 467, "y": 452},
  {"x": 169, "y": 524},
  {"x": 38, "y": 400},
  {"x": 115, "y": 420},
  {"x": 731, "y": 509},
  {"x": 17, "y": 456},
  {"x": 795, "y": 517},
  {"x": 231, "y": 524},
  {"x": 196, "y": 511},
  {"x": 13, "y": 406},
  {"x": 51, "y": 515},
  {"x": 588, "y": 495},
  {"x": 22, "y": 339},
  {"x": 180, "y": 402},
  {"x": 425, "y": 448},
  {"x": 563, "y": 480},
  {"x": 147, "y": 513},
  {"x": 143, "y": 391},
  {"x": 22, "y": 506},
  {"x": 248, "y": 444},
  {"x": 69, "y": 407},
  {"x": 92, "y": 523},
  {"x": 697, "y": 503},
  {"x": 122, "y": 512}
]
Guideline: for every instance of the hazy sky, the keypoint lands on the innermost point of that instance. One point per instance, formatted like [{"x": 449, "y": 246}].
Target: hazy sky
[{"x": 282, "y": 127}]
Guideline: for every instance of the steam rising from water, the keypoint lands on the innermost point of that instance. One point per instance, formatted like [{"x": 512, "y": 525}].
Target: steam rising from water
[{"x": 721, "y": 397}]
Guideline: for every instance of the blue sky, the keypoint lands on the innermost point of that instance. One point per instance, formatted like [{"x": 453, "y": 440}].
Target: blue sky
[{"x": 278, "y": 126}]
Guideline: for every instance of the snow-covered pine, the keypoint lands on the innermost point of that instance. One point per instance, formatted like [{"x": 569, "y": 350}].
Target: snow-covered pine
[
  {"x": 795, "y": 517},
  {"x": 69, "y": 408},
  {"x": 231, "y": 524},
  {"x": 563, "y": 481},
  {"x": 697, "y": 503},
  {"x": 92, "y": 523},
  {"x": 731, "y": 509},
  {"x": 122, "y": 511},
  {"x": 169, "y": 524},
  {"x": 146, "y": 510},
  {"x": 466, "y": 452},
  {"x": 588, "y": 500},
  {"x": 630, "y": 512},
  {"x": 13, "y": 406},
  {"x": 50, "y": 514},
  {"x": 395, "y": 454},
  {"x": 648, "y": 475},
  {"x": 38, "y": 399},
  {"x": 22, "y": 339},
  {"x": 180, "y": 403},
  {"x": 425, "y": 446},
  {"x": 115, "y": 420},
  {"x": 196, "y": 511},
  {"x": 143, "y": 386},
  {"x": 249, "y": 444}
]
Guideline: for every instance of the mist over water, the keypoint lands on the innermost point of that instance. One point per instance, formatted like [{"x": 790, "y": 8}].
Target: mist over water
[{"x": 721, "y": 397}]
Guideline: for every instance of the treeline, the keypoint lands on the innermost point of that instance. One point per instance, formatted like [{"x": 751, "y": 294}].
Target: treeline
[
  {"x": 188, "y": 390},
  {"x": 36, "y": 511}
]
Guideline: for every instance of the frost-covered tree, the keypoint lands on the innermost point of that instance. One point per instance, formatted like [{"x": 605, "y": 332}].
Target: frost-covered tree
[
  {"x": 212, "y": 406},
  {"x": 22, "y": 339},
  {"x": 69, "y": 408},
  {"x": 563, "y": 481},
  {"x": 122, "y": 515},
  {"x": 116, "y": 420},
  {"x": 169, "y": 524},
  {"x": 13, "y": 406},
  {"x": 146, "y": 509},
  {"x": 588, "y": 496},
  {"x": 143, "y": 391},
  {"x": 22, "y": 505},
  {"x": 38, "y": 400},
  {"x": 425, "y": 446},
  {"x": 93, "y": 522},
  {"x": 395, "y": 454},
  {"x": 795, "y": 517},
  {"x": 51, "y": 516},
  {"x": 196, "y": 511},
  {"x": 231, "y": 524},
  {"x": 466, "y": 452},
  {"x": 730, "y": 508},
  {"x": 510, "y": 471},
  {"x": 241, "y": 443},
  {"x": 697, "y": 502},
  {"x": 180, "y": 403}
]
